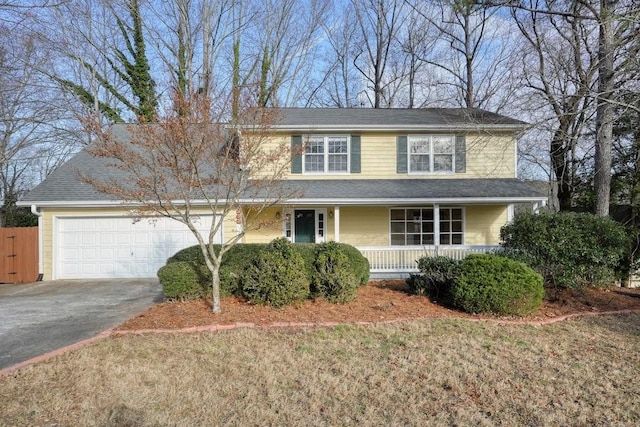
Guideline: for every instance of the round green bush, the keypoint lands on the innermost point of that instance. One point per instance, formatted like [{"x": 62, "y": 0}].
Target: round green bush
[
  {"x": 359, "y": 264},
  {"x": 335, "y": 278},
  {"x": 181, "y": 281},
  {"x": 435, "y": 278},
  {"x": 494, "y": 284},
  {"x": 276, "y": 277}
]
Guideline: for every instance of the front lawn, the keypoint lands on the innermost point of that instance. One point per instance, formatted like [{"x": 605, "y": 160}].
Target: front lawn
[{"x": 443, "y": 372}]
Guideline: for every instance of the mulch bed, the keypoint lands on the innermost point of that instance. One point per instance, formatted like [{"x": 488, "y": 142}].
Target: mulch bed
[{"x": 379, "y": 301}]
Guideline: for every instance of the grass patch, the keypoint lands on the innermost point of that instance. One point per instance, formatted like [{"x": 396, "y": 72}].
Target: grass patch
[{"x": 580, "y": 372}]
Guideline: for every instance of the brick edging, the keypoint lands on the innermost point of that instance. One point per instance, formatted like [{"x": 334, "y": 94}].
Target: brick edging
[{"x": 240, "y": 325}]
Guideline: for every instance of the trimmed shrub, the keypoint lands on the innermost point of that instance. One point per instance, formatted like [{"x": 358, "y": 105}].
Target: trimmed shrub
[
  {"x": 335, "y": 278},
  {"x": 181, "y": 281},
  {"x": 568, "y": 249},
  {"x": 276, "y": 277},
  {"x": 494, "y": 284},
  {"x": 234, "y": 261},
  {"x": 435, "y": 278},
  {"x": 308, "y": 253},
  {"x": 359, "y": 264}
]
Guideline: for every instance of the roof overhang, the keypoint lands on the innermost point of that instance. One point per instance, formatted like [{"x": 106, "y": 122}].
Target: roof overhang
[{"x": 302, "y": 202}]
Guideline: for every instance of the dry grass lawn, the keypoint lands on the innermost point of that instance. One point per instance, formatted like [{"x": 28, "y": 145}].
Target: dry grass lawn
[{"x": 430, "y": 372}]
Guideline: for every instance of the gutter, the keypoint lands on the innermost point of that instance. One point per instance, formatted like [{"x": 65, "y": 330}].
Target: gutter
[{"x": 309, "y": 201}]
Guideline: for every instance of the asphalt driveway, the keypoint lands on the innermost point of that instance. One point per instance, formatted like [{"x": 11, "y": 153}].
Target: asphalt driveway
[{"x": 41, "y": 317}]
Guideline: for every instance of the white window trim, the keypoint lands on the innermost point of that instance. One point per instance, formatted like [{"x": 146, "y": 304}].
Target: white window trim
[
  {"x": 305, "y": 139},
  {"x": 431, "y": 172},
  {"x": 436, "y": 226}
]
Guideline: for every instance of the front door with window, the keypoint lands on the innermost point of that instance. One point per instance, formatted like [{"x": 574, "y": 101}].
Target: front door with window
[{"x": 305, "y": 226}]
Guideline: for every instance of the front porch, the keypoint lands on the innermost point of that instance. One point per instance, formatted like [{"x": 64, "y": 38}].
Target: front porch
[{"x": 399, "y": 261}]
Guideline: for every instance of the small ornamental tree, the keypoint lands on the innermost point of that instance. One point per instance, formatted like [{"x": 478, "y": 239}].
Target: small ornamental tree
[{"x": 192, "y": 159}]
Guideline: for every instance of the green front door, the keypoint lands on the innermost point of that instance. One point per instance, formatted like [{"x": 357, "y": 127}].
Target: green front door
[{"x": 305, "y": 226}]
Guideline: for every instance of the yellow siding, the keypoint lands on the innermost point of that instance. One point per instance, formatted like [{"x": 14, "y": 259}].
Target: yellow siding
[
  {"x": 483, "y": 224},
  {"x": 488, "y": 156},
  {"x": 47, "y": 228},
  {"x": 364, "y": 226},
  {"x": 266, "y": 228}
]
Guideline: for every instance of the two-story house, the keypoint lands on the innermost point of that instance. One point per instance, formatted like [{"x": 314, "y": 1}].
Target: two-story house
[{"x": 395, "y": 183}]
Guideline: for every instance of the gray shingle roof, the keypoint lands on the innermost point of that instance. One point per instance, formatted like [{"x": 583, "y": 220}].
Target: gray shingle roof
[
  {"x": 65, "y": 186},
  {"x": 414, "y": 189},
  {"x": 393, "y": 118}
]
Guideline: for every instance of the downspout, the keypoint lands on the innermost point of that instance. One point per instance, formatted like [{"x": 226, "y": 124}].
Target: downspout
[{"x": 36, "y": 212}]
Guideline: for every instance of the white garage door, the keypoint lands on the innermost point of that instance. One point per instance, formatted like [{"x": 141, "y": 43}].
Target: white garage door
[{"x": 119, "y": 247}]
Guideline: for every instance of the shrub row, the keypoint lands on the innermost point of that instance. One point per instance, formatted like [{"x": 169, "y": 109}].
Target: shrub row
[
  {"x": 486, "y": 283},
  {"x": 569, "y": 249},
  {"x": 278, "y": 273}
]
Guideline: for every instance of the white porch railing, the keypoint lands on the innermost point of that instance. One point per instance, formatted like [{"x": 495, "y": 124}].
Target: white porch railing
[{"x": 402, "y": 259}]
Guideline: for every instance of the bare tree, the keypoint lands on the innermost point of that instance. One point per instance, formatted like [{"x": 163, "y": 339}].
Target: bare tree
[
  {"x": 190, "y": 161},
  {"x": 473, "y": 53},
  {"x": 560, "y": 69},
  {"x": 378, "y": 24}
]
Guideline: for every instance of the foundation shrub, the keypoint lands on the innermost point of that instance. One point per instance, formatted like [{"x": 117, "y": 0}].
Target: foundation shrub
[
  {"x": 569, "y": 249},
  {"x": 233, "y": 263},
  {"x": 181, "y": 280},
  {"x": 494, "y": 284},
  {"x": 359, "y": 264},
  {"x": 435, "y": 278},
  {"x": 335, "y": 277},
  {"x": 276, "y": 276}
]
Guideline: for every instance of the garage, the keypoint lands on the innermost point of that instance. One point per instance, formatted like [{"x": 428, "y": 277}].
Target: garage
[{"x": 118, "y": 247}]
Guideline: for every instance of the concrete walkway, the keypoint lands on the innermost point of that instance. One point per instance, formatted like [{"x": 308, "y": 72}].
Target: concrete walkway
[{"x": 38, "y": 318}]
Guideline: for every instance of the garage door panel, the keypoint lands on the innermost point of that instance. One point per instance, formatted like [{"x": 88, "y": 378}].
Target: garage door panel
[{"x": 112, "y": 247}]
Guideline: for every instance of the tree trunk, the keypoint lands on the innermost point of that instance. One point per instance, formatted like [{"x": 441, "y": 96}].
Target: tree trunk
[
  {"x": 215, "y": 293},
  {"x": 604, "y": 111}
]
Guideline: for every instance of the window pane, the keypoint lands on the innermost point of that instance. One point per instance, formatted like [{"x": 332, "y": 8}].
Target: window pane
[
  {"x": 397, "y": 239},
  {"x": 413, "y": 214},
  {"x": 444, "y": 239},
  {"x": 337, "y": 144},
  {"x": 420, "y": 163},
  {"x": 442, "y": 163},
  {"x": 338, "y": 163},
  {"x": 413, "y": 239},
  {"x": 456, "y": 226},
  {"x": 419, "y": 145},
  {"x": 427, "y": 227},
  {"x": 314, "y": 145},
  {"x": 413, "y": 227},
  {"x": 397, "y": 227},
  {"x": 397, "y": 214},
  {"x": 442, "y": 145},
  {"x": 445, "y": 227},
  {"x": 313, "y": 163},
  {"x": 456, "y": 213},
  {"x": 444, "y": 214},
  {"x": 456, "y": 239},
  {"x": 427, "y": 239},
  {"x": 427, "y": 214}
]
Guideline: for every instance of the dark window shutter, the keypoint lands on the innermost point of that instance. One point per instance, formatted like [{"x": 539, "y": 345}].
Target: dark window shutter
[
  {"x": 355, "y": 153},
  {"x": 461, "y": 154},
  {"x": 401, "y": 154},
  {"x": 296, "y": 154}
]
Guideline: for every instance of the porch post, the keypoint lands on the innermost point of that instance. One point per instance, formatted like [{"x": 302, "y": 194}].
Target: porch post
[
  {"x": 336, "y": 223},
  {"x": 436, "y": 225}
]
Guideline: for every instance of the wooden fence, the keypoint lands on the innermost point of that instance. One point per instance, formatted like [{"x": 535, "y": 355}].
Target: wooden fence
[{"x": 18, "y": 255}]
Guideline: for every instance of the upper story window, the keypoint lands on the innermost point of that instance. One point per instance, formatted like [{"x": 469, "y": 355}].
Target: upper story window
[
  {"x": 326, "y": 154},
  {"x": 431, "y": 153}
]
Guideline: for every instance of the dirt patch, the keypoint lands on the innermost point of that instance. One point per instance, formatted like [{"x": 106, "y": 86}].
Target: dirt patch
[{"x": 383, "y": 300}]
